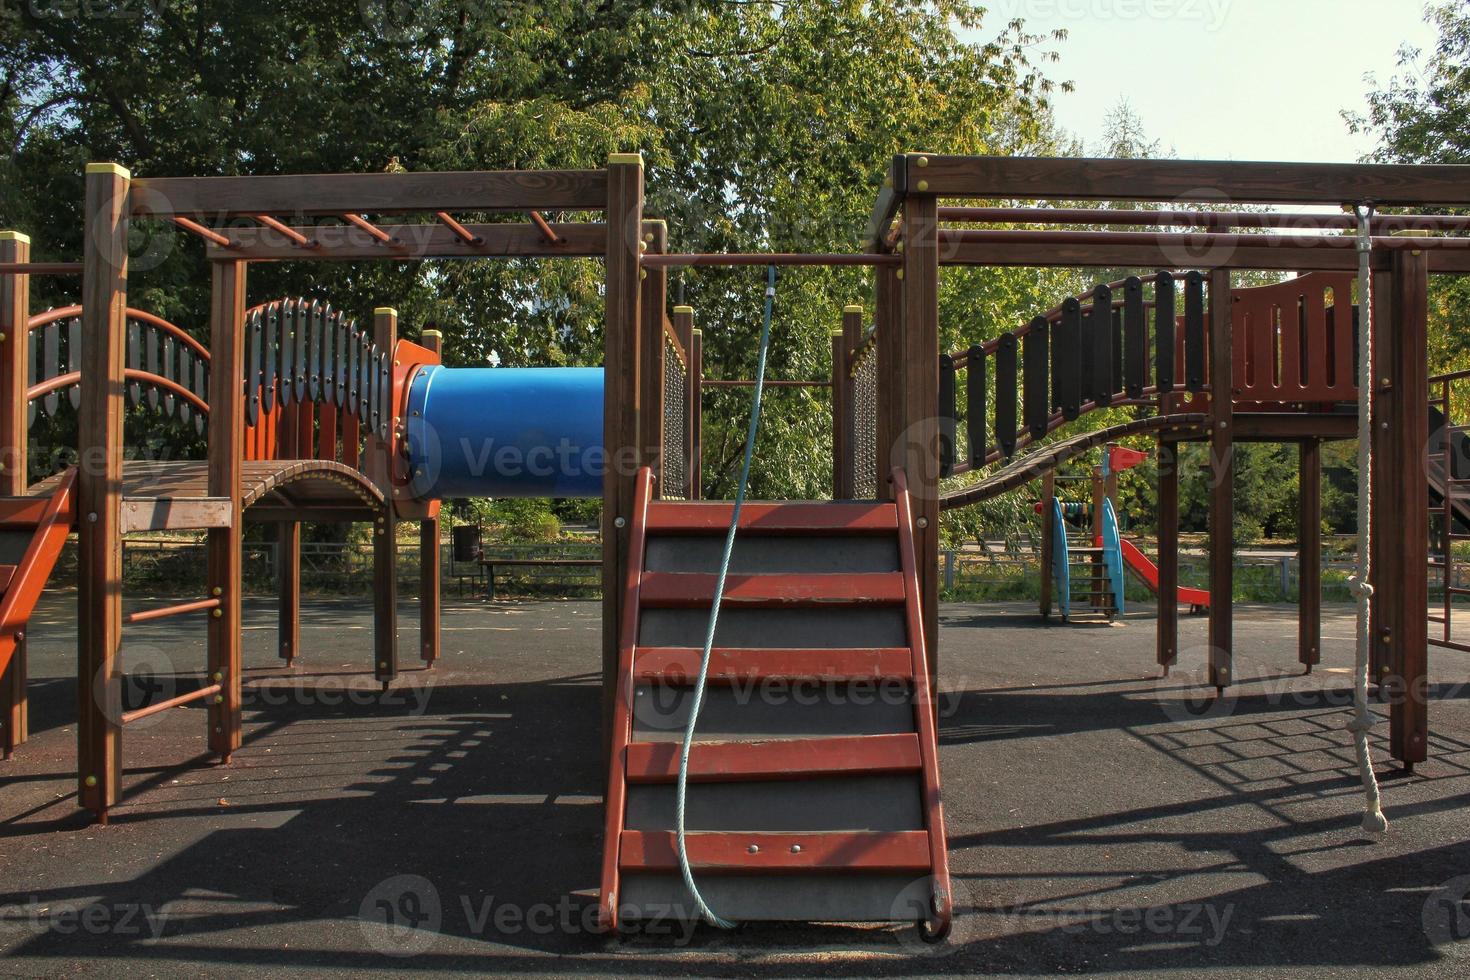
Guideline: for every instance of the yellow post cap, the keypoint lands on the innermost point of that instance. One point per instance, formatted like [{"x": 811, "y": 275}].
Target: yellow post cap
[
  {"x": 634, "y": 158},
  {"x": 385, "y": 311},
  {"x": 431, "y": 333},
  {"x": 109, "y": 168},
  {"x": 683, "y": 309},
  {"x": 15, "y": 236},
  {"x": 852, "y": 309}
]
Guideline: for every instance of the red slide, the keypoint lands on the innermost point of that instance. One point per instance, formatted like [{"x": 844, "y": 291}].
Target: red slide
[{"x": 1148, "y": 573}]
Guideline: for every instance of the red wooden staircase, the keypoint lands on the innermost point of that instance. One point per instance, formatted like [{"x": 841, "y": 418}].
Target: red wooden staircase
[
  {"x": 32, "y": 532},
  {"x": 814, "y": 776}
]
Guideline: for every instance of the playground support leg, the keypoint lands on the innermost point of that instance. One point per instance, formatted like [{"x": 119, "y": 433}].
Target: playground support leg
[
  {"x": 288, "y": 574},
  {"x": 1407, "y": 594},
  {"x": 429, "y": 590},
  {"x": 920, "y": 433},
  {"x": 385, "y": 596},
  {"x": 99, "y": 498},
  {"x": 15, "y": 307},
  {"x": 1222, "y": 482},
  {"x": 1309, "y": 555},
  {"x": 226, "y": 451},
  {"x": 1048, "y": 528},
  {"x": 620, "y": 407},
  {"x": 1167, "y": 641}
]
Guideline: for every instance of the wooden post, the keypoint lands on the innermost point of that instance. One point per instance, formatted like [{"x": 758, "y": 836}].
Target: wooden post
[
  {"x": 1385, "y": 503},
  {"x": 920, "y": 367},
  {"x": 852, "y": 336},
  {"x": 1099, "y": 584},
  {"x": 288, "y": 578},
  {"x": 1222, "y": 483},
  {"x": 429, "y": 565},
  {"x": 653, "y": 286},
  {"x": 1167, "y": 640},
  {"x": 99, "y": 487},
  {"x": 226, "y": 454},
  {"x": 1402, "y": 472},
  {"x": 622, "y": 439},
  {"x": 15, "y": 310},
  {"x": 696, "y": 414},
  {"x": 683, "y": 324},
  {"x": 1048, "y": 530},
  {"x": 385, "y": 534},
  {"x": 1309, "y": 554},
  {"x": 841, "y": 449}
]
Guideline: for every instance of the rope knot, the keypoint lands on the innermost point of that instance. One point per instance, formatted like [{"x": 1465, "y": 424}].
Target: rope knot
[
  {"x": 1361, "y": 723},
  {"x": 1360, "y": 588}
]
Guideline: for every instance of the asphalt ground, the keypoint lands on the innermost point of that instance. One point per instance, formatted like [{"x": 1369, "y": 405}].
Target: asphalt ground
[{"x": 1101, "y": 819}]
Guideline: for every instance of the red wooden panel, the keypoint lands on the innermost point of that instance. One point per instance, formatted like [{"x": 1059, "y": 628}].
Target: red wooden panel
[
  {"x": 351, "y": 438},
  {"x": 791, "y": 758},
  {"x": 695, "y": 590},
  {"x": 1280, "y": 350},
  {"x": 737, "y": 664},
  {"x": 7, "y": 574},
  {"x": 699, "y": 517},
  {"x": 655, "y": 850},
  {"x": 326, "y": 446}
]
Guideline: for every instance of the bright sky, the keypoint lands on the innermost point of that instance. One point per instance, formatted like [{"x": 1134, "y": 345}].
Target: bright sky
[{"x": 1225, "y": 79}]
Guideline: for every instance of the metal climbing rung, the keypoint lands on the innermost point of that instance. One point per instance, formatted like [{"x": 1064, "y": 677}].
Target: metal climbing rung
[
  {"x": 167, "y": 370},
  {"x": 328, "y": 355}
]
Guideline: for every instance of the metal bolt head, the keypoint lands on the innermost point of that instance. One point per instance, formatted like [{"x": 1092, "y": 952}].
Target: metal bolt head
[
  {"x": 620, "y": 522},
  {"x": 754, "y": 849},
  {"x": 216, "y": 613},
  {"x": 795, "y": 848},
  {"x": 923, "y": 185},
  {"x": 92, "y": 517},
  {"x": 90, "y": 781},
  {"x": 922, "y": 161},
  {"x": 219, "y": 699},
  {"x": 217, "y": 591},
  {"x": 218, "y": 676},
  {"x": 922, "y": 522},
  {"x": 382, "y": 665}
]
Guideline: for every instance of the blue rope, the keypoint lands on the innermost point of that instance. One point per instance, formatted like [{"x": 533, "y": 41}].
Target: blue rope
[{"x": 714, "y": 614}]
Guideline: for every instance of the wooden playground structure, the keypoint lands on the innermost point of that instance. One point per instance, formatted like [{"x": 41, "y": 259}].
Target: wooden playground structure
[{"x": 307, "y": 418}]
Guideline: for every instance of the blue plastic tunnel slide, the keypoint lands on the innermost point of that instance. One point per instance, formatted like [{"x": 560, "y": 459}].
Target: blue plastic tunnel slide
[{"x": 505, "y": 432}]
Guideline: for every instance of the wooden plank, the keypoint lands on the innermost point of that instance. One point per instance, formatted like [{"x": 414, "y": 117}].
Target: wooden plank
[
  {"x": 791, "y": 758},
  {"x": 685, "y": 590},
  {"x": 711, "y": 853},
  {"x": 1007, "y": 385},
  {"x": 1222, "y": 485},
  {"x": 620, "y": 722},
  {"x": 175, "y": 513},
  {"x": 1080, "y": 179},
  {"x": 21, "y": 513},
  {"x": 731, "y": 664},
  {"x": 385, "y": 596},
  {"x": 1153, "y": 255},
  {"x": 920, "y": 365},
  {"x": 762, "y": 517},
  {"x": 1309, "y": 553},
  {"x": 1408, "y": 535},
  {"x": 621, "y": 406},
  {"x": 413, "y": 242},
  {"x": 890, "y": 198},
  {"x": 1288, "y": 426},
  {"x": 15, "y": 303},
  {"x": 226, "y": 451},
  {"x": 217, "y": 198},
  {"x": 99, "y": 499},
  {"x": 1167, "y": 632},
  {"x": 1385, "y": 505}
]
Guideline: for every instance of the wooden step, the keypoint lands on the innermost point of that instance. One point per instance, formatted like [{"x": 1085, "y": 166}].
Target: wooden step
[
  {"x": 789, "y": 758},
  {"x": 695, "y": 590},
  {"x": 901, "y": 850},
  {"x": 21, "y": 513},
  {"x": 730, "y": 664},
  {"x": 763, "y": 517}
]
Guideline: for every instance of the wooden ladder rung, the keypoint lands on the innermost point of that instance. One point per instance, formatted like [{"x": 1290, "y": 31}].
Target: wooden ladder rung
[
  {"x": 680, "y": 590},
  {"x": 728, "y": 664},
  {"x": 790, "y": 758},
  {"x": 898, "y": 850}
]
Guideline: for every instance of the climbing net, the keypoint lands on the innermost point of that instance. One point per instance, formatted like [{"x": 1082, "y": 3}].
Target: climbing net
[
  {"x": 676, "y": 405},
  {"x": 864, "y": 408}
]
